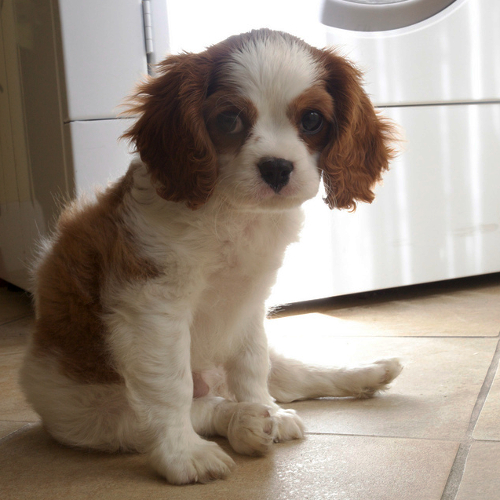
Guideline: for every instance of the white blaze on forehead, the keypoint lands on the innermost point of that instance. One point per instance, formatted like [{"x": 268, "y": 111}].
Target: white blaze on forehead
[{"x": 274, "y": 69}]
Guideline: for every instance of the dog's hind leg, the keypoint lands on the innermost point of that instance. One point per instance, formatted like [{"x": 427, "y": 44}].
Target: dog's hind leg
[{"x": 291, "y": 380}]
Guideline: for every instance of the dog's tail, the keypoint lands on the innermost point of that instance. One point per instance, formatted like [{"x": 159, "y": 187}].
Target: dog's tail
[{"x": 291, "y": 380}]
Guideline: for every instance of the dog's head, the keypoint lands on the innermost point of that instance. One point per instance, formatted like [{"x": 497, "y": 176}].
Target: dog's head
[{"x": 258, "y": 119}]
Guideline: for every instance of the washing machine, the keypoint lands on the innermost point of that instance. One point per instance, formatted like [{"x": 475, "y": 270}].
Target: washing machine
[{"x": 433, "y": 66}]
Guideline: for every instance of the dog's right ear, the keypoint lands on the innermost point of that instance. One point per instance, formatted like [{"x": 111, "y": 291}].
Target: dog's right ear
[{"x": 170, "y": 133}]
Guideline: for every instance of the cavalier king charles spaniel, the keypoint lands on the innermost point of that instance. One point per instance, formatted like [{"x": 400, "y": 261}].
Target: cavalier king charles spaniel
[{"x": 150, "y": 299}]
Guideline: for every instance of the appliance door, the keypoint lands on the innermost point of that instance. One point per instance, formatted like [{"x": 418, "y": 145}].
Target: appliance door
[
  {"x": 449, "y": 57},
  {"x": 97, "y": 156},
  {"x": 436, "y": 216},
  {"x": 379, "y": 15},
  {"x": 103, "y": 55}
]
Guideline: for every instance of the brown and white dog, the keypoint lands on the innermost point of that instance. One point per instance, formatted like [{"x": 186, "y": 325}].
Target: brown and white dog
[{"x": 155, "y": 292}]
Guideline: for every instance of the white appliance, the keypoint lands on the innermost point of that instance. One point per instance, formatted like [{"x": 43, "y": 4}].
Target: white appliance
[
  {"x": 434, "y": 67},
  {"x": 66, "y": 65}
]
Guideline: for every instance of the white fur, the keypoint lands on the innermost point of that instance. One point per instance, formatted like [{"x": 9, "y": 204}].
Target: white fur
[
  {"x": 274, "y": 70},
  {"x": 270, "y": 75},
  {"x": 206, "y": 310}
]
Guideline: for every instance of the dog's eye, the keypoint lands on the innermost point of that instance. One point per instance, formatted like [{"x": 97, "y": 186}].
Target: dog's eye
[
  {"x": 229, "y": 122},
  {"x": 312, "y": 122}
]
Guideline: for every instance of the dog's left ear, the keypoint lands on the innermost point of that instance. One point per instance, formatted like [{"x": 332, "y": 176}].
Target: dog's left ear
[
  {"x": 170, "y": 133},
  {"x": 361, "y": 144}
]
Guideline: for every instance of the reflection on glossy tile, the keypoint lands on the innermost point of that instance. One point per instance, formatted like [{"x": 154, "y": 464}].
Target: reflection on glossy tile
[
  {"x": 488, "y": 425},
  {"x": 13, "y": 406},
  {"x": 481, "y": 480},
  {"x": 319, "y": 467},
  {"x": 13, "y": 305},
  {"x": 432, "y": 398}
]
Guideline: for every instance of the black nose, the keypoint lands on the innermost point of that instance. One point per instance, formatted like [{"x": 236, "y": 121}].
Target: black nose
[{"x": 275, "y": 172}]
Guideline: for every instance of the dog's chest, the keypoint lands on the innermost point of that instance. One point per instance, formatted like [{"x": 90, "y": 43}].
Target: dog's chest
[
  {"x": 243, "y": 260},
  {"x": 238, "y": 278}
]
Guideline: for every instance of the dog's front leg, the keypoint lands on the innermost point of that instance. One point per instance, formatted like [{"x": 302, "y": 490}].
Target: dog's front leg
[
  {"x": 247, "y": 377},
  {"x": 150, "y": 342}
]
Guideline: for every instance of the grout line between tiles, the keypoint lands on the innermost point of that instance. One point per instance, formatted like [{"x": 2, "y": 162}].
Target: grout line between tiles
[
  {"x": 485, "y": 389},
  {"x": 382, "y": 436},
  {"x": 457, "y": 471},
  {"x": 495, "y": 336},
  {"x": 4, "y": 420},
  {"x": 17, "y": 319},
  {"x": 458, "y": 468},
  {"x": 26, "y": 426}
]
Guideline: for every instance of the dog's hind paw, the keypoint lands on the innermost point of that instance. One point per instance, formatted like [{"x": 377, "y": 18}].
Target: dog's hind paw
[
  {"x": 377, "y": 376},
  {"x": 288, "y": 426}
]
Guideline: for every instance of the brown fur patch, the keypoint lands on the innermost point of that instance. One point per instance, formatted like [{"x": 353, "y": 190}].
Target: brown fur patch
[
  {"x": 228, "y": 100},
  {"x": 313, "y": 99},
  {"x": 92, "y": 246},
  {"x": 171, "y": 135},
  {"x": 361, "y": 143}
]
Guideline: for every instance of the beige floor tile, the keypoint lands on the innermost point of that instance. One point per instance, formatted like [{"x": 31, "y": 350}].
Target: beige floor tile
[
  {"x": 13, "y": 305},
  {"x": 13, "y": 406},
  {"x": 14, "y": 335},
  {"x": 7, "y": 428},
  {"x": 463, "y": 313},
  {"x": 456, "y": 308},
  {"x": 455, "y": 313},
  {"x": 319, "y": 467},
  {"x": 481, "y": 480},
  {"x": 432, "y": 398},
  {"x": 488, "y": 424}
]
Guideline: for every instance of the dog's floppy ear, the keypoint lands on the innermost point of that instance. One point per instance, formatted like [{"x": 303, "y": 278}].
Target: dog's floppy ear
[
  {"x": 170, "y": 134},
  {"x": 360, "y": 147}
]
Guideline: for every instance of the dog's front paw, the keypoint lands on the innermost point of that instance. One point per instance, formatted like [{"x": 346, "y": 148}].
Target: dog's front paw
[
  {"x": 288, "y": 426},
  {"x": 376, "y": 376},
  {"x": 200, "y": 461},
  {"x": 251, "y": 429}
]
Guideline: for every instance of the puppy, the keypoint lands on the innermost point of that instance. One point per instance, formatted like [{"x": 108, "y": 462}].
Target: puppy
[{"x": 150, "y": 300}]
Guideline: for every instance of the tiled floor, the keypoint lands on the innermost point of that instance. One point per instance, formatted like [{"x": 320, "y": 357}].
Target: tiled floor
[{"x": 434, "y": 435}]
